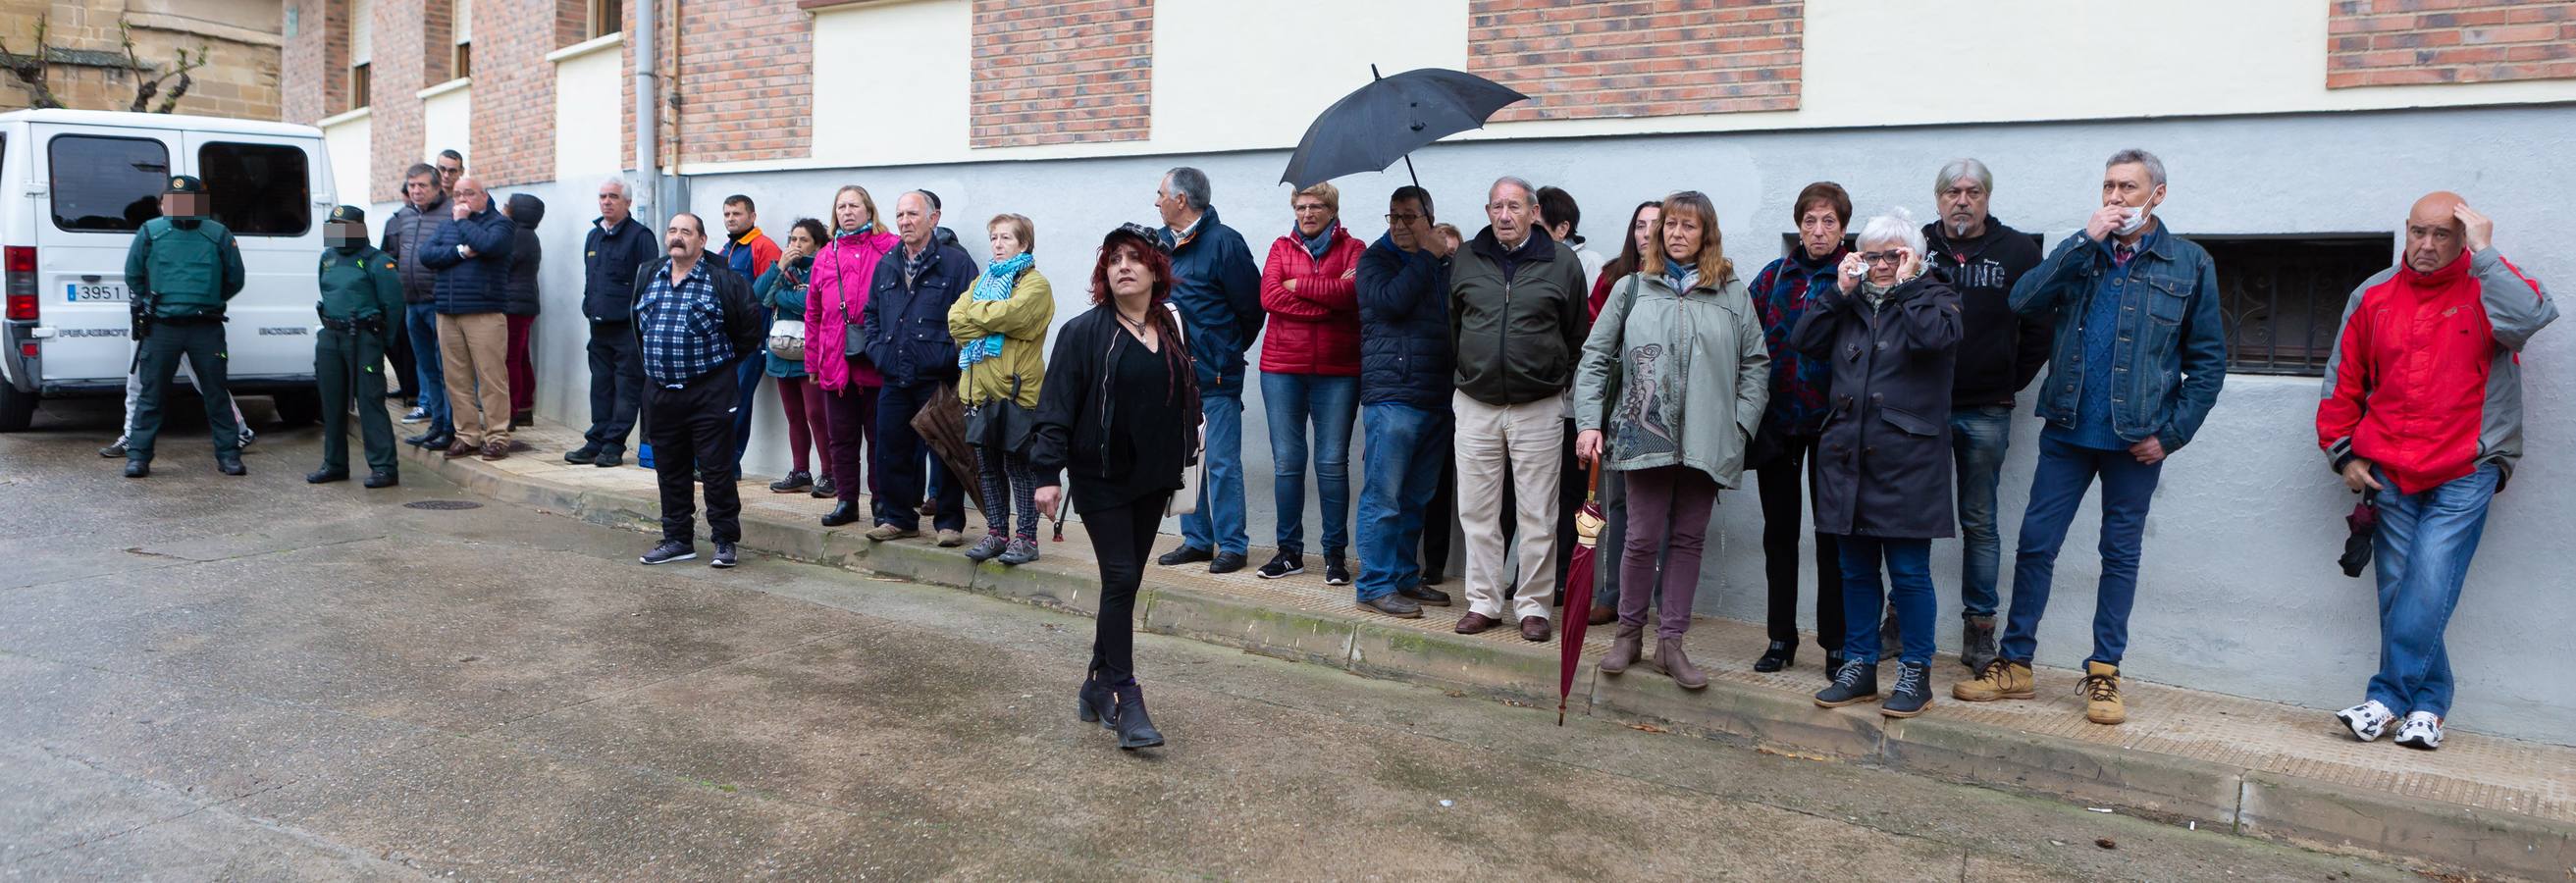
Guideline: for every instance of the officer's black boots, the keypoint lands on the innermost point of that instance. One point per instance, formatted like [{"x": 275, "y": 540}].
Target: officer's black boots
[{"x": 229, "y": 464}]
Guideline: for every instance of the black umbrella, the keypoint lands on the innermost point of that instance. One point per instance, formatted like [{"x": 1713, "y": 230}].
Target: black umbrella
[{"x": 1390, "y": 118}]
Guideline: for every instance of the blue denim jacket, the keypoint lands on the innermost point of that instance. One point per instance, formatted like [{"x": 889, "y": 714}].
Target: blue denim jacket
[{"x": 2172, "y": 353}]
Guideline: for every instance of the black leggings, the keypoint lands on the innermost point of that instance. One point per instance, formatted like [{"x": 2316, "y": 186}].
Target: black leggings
[
  {"x": 1782, "y": 518},
  {"x": 1122, "y": 536}
]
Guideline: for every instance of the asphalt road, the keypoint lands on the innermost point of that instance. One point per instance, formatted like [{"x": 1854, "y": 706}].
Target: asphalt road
[{"x": 251, "y": 678}]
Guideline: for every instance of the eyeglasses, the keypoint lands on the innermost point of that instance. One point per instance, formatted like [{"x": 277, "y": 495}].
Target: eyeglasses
[
  {"x": 1882, "y": 257},
  {"x": 1402, "y": 218}
]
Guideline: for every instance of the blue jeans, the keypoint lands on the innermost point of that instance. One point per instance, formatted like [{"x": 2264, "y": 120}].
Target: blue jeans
[
  {"x": 1296, "y": 402},
  {"x": 1403, "y": 448},
  {"x": 1909, "y": 590},
  {"x": 1218, "y": 525},
  {"x": 746, "y": 378},
  {"x": 429, "y": 373},
  {"x": 1978, "y": 438},
  {"x": 2425, "y": 540},
  {"x": 2056, "y": 491}
]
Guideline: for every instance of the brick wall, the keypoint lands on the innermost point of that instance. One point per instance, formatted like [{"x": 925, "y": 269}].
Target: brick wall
[
  {"x": 1062, "y": 72},
  {"x": 746, "y": 77},
  {"x": 1641, "y": 58},
  {"x": 2407, "y": 42},
  {"x": 514, "y": 86},
  {"x": 316, "y": 60},
  {"x": 240, "y": 79},
  {"x": 413, "y": 51}
]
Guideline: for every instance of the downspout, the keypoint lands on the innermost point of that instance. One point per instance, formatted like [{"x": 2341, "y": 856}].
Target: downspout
[{"x": 648, "y": 124}]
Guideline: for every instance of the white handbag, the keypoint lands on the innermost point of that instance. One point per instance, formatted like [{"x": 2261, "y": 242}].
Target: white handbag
[
  {"x": 1193, "y": 477},
  {"x": 787, "y": 339}
]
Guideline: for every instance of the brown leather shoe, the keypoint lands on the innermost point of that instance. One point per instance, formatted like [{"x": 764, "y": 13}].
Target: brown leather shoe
[
  {"x": 1535, "y": 628},
  {"x": 494, "y": 450},
  {"x": 456, "y": 450},
  {"x": 1476, "y": 623},
  {"x": 1602, "y": 614}
]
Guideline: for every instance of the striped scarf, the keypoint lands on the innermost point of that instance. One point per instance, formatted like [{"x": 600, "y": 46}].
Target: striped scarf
[{"x": 995, "y": 284}]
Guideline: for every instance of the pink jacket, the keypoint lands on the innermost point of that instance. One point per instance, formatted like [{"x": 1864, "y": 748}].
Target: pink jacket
[{"x": 836, "y": 298}]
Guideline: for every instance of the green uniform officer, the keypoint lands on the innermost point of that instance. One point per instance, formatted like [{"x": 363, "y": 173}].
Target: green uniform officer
[
  {"x": 361, "y": 307},
  {"x": 181, "y": 269}
]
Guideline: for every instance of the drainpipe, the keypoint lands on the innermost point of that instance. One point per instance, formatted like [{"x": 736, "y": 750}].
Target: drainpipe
[{"x": 648, "y": 126}]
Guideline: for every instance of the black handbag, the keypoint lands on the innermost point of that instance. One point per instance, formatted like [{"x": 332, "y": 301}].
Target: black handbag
[{"x": 1002, "y": 425}]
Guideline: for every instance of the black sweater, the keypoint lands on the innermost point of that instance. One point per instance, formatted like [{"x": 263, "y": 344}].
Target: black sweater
[
  {"x": 1099, "y": 428},
  {"x": 1999, "y": 352}
]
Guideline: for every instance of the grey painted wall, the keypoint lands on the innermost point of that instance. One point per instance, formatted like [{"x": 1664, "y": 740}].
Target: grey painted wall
[{"x": 2239, "y": 592}]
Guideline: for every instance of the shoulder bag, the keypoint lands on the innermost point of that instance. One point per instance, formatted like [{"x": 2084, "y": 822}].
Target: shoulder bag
[{"x": 1194, "y": 470}]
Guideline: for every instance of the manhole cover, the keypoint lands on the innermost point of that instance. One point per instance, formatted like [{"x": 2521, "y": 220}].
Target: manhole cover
[{"x": 442, "y": 505}]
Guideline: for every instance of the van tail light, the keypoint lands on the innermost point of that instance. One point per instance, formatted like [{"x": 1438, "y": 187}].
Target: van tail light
[{"x": 20, "y": 282}]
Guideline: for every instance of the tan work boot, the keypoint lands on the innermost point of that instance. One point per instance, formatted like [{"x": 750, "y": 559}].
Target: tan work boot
[
  {"x": 886, "y": 533},
  {"x": 1624, "y": 648},
  {"x": 2003, "y": 679},
  {"x": 1669, "y": 657},
  {"x": 2101, "y": 691}
]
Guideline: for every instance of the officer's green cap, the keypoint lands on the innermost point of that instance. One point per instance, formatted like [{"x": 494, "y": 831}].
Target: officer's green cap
[
  {"x": 185, "y": 184},
  {"x": 349, "y": 213}
]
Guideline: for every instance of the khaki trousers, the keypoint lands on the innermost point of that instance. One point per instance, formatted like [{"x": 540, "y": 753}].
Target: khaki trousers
[
  {"x": 474, "y": 356},
  {"x": 1525, "y": 445}
]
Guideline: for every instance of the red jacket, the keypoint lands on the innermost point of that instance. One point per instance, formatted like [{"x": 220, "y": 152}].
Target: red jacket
[
  {"x": 2425, "y": 380},
  {"x": 1315, "y": 329}
]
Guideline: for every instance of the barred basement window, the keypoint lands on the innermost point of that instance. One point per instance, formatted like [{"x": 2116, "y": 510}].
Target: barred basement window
[{"x": 2282, "y": 296}]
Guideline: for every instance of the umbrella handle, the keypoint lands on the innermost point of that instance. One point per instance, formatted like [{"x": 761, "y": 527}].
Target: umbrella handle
[{"x": 1592, "y": 483}]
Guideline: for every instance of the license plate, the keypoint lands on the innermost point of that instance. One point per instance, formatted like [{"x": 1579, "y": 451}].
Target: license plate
[{"x": 94, "y": 292}]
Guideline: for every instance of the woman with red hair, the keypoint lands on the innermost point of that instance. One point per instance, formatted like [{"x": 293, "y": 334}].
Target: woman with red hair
[{"x": 1120, "y": 408}]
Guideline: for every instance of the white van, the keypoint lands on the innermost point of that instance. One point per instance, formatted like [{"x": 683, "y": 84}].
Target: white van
[{"x": 76, "y": 184}]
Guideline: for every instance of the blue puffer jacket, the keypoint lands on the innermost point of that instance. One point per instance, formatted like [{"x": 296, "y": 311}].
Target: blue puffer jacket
[
  {"x": 479, "y": 284},
  {"x": 906, "y": 324},
  {"x": 1218, "y": 288},
  {"x": 1404, "y": 328}
]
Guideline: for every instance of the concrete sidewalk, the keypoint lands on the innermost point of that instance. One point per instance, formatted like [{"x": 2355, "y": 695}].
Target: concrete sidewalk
[{"x": 2483, "y": 804}]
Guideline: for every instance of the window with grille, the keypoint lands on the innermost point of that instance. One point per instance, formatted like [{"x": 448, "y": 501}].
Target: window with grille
[
  {"x": 2282, "y": 296},
  {"x": 462, "y": 22}
]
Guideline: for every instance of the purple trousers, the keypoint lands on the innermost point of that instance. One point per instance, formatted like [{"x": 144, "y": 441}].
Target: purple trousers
[{"x": 1668, "y": 512}]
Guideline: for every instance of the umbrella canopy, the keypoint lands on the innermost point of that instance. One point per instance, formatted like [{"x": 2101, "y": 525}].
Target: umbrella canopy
[
  {"x": 1578, "y": 587},
  {"x": 1370, "y": 129},
  {"x": 942, "y": 422}
]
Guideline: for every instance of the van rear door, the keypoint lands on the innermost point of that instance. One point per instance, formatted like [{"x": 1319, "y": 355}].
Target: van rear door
[
  {"x": 261, "y": 188},
  {"x": 100, "y": 183}
]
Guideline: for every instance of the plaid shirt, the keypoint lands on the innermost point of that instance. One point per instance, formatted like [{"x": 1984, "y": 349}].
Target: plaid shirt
[{"x": 682, "y": 324}]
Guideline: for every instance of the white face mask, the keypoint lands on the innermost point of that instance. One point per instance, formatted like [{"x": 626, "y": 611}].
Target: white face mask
[{"x": 2137, "y": 221}]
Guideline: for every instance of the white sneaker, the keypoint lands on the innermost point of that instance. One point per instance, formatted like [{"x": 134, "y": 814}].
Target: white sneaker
[
  {"x": 2421, "y": 730},
  {"x": 2368, "y": 720}
]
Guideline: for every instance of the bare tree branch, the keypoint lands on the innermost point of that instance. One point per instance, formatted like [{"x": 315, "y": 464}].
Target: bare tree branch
[{"x": 32, "y": 69}]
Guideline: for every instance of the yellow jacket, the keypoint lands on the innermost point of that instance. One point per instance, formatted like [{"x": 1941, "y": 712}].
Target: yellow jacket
[{"x": 1022, "y": 321}]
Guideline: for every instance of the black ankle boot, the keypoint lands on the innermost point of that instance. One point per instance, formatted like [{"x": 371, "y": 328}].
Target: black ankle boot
[
  {"x": 844, "y": 513},
  {"x": 1782, "y": 654},
  {"x": 1135, "y": 728},
  {"x": 1093, "y": 702}
]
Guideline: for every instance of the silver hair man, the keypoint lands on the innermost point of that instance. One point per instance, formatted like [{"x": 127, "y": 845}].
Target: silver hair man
[
  {"x": 1191, "y": 185},
  {"x": 2155, "y": 167}
]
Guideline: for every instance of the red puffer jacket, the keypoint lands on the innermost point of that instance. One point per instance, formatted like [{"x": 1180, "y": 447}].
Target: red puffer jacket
[{"x": 1315, "y": 329}]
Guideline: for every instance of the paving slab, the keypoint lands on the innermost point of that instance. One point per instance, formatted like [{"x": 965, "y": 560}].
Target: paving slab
[{"x": 2238, "y": 764}]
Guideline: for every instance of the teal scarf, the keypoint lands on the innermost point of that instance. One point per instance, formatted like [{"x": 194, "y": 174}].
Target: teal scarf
[{"x": 995, "y": 284}]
